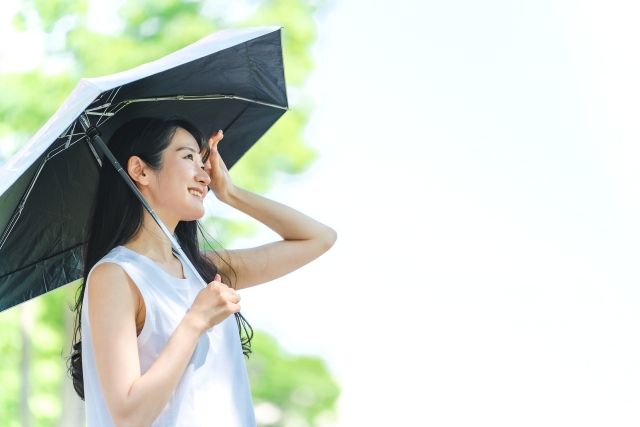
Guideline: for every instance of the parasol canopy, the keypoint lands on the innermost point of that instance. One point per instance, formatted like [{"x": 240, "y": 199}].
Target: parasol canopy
[{"x": 231, "y": 80}]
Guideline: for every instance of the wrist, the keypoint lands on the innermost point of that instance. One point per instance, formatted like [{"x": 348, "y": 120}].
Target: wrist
[
  {"x": 229, "y": 195},
  {"x": 193, "y": 325}
]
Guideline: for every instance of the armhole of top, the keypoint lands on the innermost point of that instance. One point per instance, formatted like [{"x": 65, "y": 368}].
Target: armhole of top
[{"x": 148, "y": 317}]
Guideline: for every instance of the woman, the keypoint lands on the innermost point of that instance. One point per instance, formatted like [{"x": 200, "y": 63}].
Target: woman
[{"x": 158, "y": 349}]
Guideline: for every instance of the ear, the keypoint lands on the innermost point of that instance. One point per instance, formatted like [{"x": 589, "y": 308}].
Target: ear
[{"x": 138, "y": 170}]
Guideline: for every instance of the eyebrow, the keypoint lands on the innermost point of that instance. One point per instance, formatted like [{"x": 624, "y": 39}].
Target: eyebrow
[{"x": 186, "y": 148}]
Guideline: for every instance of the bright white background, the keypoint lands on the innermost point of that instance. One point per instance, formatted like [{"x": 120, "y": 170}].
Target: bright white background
[{"x": 480, "y": 162}]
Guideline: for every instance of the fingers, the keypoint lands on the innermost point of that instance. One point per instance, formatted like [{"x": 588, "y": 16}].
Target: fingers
[
  {"x": 215, "y": 138},
  {"x": 215, "y": 282},
  {"x": 216, "y": 163},
  {"x": 232, "y": 297},
  {"x": 229, "y": 294}
]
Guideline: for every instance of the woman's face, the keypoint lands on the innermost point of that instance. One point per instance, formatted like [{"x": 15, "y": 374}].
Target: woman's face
[{"x": 178, "y": 188}]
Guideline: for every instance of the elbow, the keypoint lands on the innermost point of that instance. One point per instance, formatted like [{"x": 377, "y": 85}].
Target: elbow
[{"x": 329, "y": 238}]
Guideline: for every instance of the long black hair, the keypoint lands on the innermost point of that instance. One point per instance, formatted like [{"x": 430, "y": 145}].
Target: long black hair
[{"x": 117, "y": 215}]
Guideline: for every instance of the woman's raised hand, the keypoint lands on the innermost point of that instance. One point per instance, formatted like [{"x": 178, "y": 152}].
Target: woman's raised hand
[
  {"x": 221, "y": 184},
  {"x": 213, "y": 304}
]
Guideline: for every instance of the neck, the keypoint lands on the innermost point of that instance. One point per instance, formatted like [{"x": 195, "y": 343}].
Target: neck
[{"x": 151, "y": 241}]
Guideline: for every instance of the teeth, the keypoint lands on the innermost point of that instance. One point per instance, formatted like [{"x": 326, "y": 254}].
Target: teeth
[{"x": 195, "y": 193}]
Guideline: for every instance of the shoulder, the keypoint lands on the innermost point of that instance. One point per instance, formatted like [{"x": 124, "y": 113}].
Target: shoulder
[
  {"x": 112, "y": 286},
  {"x": 106, "y": 270}
]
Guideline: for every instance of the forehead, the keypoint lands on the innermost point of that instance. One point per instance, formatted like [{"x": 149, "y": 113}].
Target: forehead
[{"x": 182, "y": 138}]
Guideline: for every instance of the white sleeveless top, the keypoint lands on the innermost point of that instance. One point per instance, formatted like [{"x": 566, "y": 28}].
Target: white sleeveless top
[{"x": 214, "y": 389}]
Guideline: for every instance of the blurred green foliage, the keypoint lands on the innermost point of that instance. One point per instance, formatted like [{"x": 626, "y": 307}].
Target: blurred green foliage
[
  {"x": 311, "y": 396},
  {"x": 10, "y": 351},
  {"x": 300, "y": 387}
]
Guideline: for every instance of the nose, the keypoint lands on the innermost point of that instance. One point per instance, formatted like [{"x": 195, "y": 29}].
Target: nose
[{"x": 203, "y": 176}]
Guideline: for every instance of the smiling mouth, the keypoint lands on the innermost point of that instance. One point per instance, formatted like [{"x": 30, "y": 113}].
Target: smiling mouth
[{"x": 195, "y": 193}]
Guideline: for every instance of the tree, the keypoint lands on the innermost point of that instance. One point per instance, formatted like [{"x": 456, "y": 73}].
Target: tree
[{"x": 143, "y": 31}]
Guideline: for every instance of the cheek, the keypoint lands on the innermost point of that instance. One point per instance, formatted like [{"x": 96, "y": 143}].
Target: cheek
[{"x": 172, "y": 185}]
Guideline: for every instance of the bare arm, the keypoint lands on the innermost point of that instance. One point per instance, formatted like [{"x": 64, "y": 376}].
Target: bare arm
[
  {"x": 305, "y": 239},
  {"x": 134, "y": 399}
]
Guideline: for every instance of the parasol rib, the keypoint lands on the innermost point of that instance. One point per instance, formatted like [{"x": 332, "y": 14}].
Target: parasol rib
[{"x": 94, "y": 111}]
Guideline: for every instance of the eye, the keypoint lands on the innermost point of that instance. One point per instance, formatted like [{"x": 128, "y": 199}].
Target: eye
[{"x": 190, "y": 156}]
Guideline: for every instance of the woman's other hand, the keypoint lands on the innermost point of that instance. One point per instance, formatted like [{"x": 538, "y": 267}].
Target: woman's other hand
[
  {"x": 221, "y": 183},
  {"x": 213, "y": 304}
]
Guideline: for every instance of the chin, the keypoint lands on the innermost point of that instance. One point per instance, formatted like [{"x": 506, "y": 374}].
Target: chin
[{"x": 193, "y": 215}]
